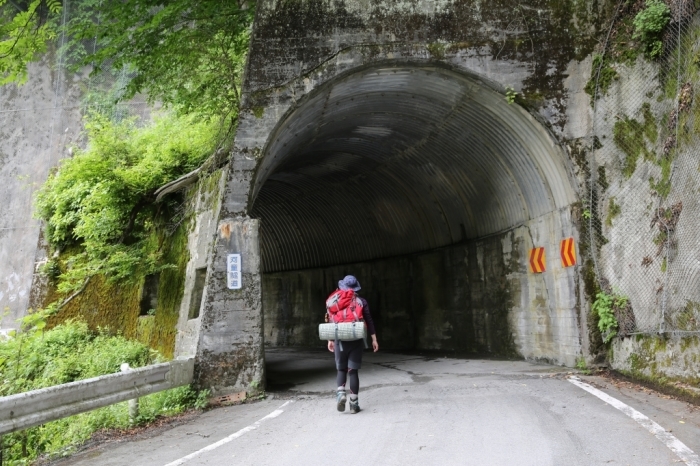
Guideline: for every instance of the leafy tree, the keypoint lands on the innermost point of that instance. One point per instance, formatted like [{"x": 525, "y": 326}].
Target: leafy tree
[
  {"x": 24, "y": 34},
  {"x": 184, "y": 53}
]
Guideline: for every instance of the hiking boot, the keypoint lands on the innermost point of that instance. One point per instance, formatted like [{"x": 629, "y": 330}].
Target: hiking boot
[
  {"x": 355, "y": 406},
  {"x": 340, "y": 399}
]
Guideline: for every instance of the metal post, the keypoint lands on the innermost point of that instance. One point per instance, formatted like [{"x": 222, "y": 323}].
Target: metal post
[{"x": 133, "y": 404}]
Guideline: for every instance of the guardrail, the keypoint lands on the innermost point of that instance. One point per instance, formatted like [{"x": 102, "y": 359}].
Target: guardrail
[{"x": 29, "y": 409}]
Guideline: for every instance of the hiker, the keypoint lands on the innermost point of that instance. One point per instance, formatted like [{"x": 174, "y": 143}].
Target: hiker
[{"x": 348, "y": 354}]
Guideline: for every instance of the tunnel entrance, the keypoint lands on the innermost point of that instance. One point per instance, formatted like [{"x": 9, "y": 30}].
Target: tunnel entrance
[{"x": 430, "y": 187}]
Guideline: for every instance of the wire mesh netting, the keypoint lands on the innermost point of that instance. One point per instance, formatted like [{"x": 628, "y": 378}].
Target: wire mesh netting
[{"x": 642, "y": 208}]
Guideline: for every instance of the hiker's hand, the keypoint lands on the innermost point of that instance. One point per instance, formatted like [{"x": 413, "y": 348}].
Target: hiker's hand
[
  {"x": 375, "y": 345},
  {"x": 331, "y": 346}
]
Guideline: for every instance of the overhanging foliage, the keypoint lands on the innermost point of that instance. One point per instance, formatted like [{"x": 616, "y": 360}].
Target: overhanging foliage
[
  {"x": 100, "y": 202},
  {"x": 188, "y": 54}
]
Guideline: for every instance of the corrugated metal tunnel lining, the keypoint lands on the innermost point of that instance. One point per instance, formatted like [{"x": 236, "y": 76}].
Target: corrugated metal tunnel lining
[{"x": 395, "y": 160}]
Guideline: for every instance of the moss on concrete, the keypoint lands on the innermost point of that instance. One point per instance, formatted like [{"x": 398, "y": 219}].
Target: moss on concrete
[
  {"x": 623, "y": 47},
  {"x": 679, "y": 389},
  {"x": 208, "y": 188},
  {"x": 603, "y": 74},
  {"x": 688, "y": 341},
  {"x": 645, "y": 360},
  {"x": 171, "y": 287},
  {"x": 114, "y": 307},
  {"x": 657, "y": 362},
  {"x": 436, "y": 50},
  {"x": 603, "y": 178},
  {"x": 144, "y": 329},
  {"x": 662, "y": 186},
  {"x": 613, "y": 211},
  {"x": 631, "y": 137},
  {"x": 687, "y": 318},
  {"x": 689, "y": 57}
]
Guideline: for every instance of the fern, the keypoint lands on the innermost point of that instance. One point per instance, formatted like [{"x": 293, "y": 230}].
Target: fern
[{"x": 54, "y": 6}]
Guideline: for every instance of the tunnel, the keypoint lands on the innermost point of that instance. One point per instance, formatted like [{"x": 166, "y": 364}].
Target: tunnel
[{"x": 425, "y": 183}]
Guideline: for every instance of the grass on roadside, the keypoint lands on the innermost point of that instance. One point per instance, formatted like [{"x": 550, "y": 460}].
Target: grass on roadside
[{"x": 69, "y": 352}]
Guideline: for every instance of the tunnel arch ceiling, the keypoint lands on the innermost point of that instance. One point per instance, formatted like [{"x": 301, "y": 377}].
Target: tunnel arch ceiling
[{"x": 398, "y": 159}]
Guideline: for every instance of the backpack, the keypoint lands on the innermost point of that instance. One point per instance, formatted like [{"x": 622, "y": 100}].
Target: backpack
[{"x": 343, "y": 306}]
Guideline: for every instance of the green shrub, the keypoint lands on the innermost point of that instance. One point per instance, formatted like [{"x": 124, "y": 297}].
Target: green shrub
[
  {"x": 605, "y": 305},
  {"x": 66, "y": 353},
  {"x": 649, "y": 25},
  {"x": 35, "y": 359},
  {"x": 102, "y": 200}
]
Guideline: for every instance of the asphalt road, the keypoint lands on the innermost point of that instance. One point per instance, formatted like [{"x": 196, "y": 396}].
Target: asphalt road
[{"x": 419, "y": 411}]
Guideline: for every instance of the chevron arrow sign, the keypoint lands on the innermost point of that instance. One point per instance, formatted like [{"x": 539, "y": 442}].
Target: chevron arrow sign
[
  {"x": 537, "y": 260},
  {"x": 568, "y": 252}
]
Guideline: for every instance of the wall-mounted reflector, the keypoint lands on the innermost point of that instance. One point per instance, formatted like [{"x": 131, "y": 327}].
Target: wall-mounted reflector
[
  {"x": 537, "y": 260},
  {"x": 568, "y": 252}
]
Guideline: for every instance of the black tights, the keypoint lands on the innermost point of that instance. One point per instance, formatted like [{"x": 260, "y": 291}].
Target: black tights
[{"x": 354, "y": 380}]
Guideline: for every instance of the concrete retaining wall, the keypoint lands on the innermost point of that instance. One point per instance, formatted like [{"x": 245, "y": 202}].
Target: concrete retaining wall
[
  {"x": 199, "y": 243},
  {"x": 670, "y": 356},
  {"x": 38, "y": 122}
]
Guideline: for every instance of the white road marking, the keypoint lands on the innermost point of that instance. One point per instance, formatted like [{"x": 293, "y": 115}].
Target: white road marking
[
  {"x": 231, "y": 437},
  {"x": 676, "y": 446}
]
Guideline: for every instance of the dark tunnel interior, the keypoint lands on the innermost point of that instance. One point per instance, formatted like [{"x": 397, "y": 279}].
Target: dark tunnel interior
[{"x": 404, "y": 176}]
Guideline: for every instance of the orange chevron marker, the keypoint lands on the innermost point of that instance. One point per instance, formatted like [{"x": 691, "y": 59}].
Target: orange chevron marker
[
  {"x": 568, "y": 252},
  {"x": 537, "y": 260}
]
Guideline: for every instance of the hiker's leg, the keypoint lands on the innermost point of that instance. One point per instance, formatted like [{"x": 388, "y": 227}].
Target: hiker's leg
[
  {"x": 341, "y": 378},
  {"x": 354, "y": 349},
  {"x": 341, "y": 357},
  {"x": 354, "y": 365},
  {"x": 341, "y": 365},
  {"x": 354, "y": 377}
]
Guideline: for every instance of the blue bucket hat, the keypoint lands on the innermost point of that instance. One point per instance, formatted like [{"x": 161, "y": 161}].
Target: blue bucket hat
[{"x": 349, "y": 283}]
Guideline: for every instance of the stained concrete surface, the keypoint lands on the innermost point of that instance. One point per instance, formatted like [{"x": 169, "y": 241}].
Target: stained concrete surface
[
  {"x": 399, "y": 108},
  {"x": 421, "y": 410},
  {"x": 475, "y": 297}
]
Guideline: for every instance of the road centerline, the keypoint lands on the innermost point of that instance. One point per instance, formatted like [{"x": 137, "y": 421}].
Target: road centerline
[
  {"x": 231, "y": 437},
  {"x": 681, "y": 450}
]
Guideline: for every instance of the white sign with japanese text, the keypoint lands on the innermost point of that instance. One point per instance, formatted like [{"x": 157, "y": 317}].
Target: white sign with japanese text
[{"x": 233, "y": 267}]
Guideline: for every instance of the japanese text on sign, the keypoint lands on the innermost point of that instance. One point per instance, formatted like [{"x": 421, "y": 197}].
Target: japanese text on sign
[{"x": 233, "y": 269}]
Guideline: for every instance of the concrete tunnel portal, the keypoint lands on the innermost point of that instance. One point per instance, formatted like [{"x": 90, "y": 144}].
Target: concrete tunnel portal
[{"x": 430, "y": 187}]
